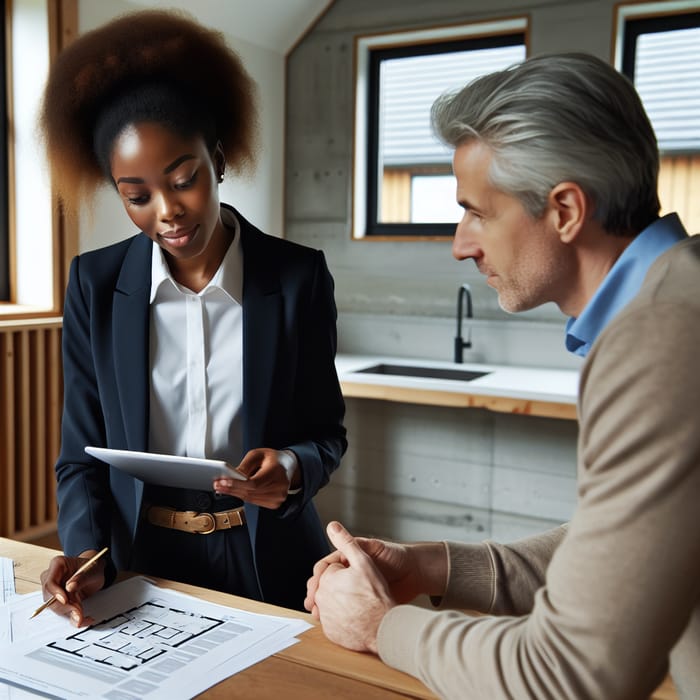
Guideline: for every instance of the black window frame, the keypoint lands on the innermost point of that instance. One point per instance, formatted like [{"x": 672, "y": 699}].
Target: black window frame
[
  {"x": 5, "y": 290},
  {"x": 636, "y": 26},
  {"x": 373, "y": 227}
]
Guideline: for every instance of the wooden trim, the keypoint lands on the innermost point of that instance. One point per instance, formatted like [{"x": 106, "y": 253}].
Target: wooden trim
[
  {"x": 63, "y": 29},
  {"x": 407, "y": 238},
  {"x": 432, "y": 397},
  {"x": 446, "y": 25},
  {"x": 44, "y": 321},
  {"x": 10, "y": 312}
]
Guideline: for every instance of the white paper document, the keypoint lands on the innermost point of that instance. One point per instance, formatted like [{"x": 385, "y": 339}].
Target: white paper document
[
  {"x": 149, "y": 642},
  {"x": 17, "y": 623},
  {"x": 7, "y": 578}
]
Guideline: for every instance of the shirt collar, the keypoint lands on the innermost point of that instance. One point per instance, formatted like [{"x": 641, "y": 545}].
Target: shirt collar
[
  {"x": 623, "y": 282},
  {"x": 228, "y": 278}
]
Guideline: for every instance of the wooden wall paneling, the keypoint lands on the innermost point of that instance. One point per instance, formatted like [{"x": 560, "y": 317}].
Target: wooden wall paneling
[
  {"x": 24, "y": 459},
  {"x": 38, "y": 437},
  {"x": 692, "y": 219},
  {"x": 396, "y": 196},
  {"x": 30, "y": 420},
  {"x": 55, "y": 392},
  {"x": 7, "y": 435}
]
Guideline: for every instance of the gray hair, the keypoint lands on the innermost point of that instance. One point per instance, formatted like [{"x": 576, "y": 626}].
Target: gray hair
[{"x": 556, "y": 118}]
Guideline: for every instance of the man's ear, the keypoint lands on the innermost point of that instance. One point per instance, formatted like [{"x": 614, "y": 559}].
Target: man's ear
[{"x": 568, "y": 209}]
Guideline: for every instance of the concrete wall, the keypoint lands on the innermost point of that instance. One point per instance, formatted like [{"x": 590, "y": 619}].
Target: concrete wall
[
  {"x": 403, "y": 279},
  {"x": 423, "y": 472}
]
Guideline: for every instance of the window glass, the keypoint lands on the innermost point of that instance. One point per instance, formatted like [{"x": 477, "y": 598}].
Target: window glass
[
  {"x": 32, "y": 253},
  {"x": 433, "y": 199},
  {"x": 408, "y": 81}
]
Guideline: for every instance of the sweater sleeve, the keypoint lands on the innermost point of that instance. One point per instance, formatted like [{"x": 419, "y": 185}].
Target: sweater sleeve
[
  {"x": 624, "y": 578},
  {"x": 496, "y": 578}
]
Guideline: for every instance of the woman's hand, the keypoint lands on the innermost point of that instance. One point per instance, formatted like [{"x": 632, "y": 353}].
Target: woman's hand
[
  {"x": 70, "y": 589},
  {"x": 271, "y": 473}
]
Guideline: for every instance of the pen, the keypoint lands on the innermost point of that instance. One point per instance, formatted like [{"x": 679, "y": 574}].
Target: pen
[{"x": 80, "y": 570}]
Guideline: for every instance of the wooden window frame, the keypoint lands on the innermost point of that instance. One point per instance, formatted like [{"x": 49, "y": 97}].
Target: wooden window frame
[{"x": 63, "y": 28}]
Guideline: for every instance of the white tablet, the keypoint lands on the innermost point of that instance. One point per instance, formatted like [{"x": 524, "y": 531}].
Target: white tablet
[{"x": 167, "y": 470}]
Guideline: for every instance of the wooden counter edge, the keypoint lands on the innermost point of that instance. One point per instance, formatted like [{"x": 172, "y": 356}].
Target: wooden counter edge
[{"x": 433, "y": 397}]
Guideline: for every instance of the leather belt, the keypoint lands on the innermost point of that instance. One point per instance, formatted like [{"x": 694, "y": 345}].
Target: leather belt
[{"x": 193, "y": 521}]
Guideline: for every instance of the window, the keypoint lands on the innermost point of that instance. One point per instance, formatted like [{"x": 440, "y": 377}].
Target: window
[
  {"x": 658, "y": 48},
  {"x": 35, "y": 241},
  {"x": 403, "y": 184}
]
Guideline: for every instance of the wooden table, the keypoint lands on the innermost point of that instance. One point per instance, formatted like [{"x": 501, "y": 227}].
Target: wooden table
[{"x": 313, "y": 668}]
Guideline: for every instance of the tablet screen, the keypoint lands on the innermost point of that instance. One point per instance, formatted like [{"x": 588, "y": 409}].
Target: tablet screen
[{"x": 167, "y": 470}]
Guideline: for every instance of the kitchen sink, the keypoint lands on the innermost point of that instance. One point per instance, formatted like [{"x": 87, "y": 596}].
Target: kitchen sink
[{"x": 463, "y": 375}]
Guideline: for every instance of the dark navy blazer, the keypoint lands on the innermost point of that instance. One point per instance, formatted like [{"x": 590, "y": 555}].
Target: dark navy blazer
[{"x": 291, "y": 398}]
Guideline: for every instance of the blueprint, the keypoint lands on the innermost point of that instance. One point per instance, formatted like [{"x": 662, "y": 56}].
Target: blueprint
[{"x": 149, "y": 642}]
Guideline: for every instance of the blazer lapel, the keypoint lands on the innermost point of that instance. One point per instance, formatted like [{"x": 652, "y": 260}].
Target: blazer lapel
[
  {"x": 262, "y": 308},
  {"x": 130, "y": 333}
]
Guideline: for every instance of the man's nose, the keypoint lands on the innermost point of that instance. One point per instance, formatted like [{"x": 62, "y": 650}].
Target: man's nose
[{"x": 463, "y": 244}]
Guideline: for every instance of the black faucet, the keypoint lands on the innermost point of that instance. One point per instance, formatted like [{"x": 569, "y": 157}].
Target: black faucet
[{"x": 460, "y": 343}]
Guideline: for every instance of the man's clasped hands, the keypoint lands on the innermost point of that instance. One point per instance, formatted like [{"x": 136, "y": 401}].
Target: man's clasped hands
[{"x": 353, "y": 588}]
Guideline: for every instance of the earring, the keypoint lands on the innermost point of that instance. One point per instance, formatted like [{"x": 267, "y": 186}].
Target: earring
[{"x": 221, "y": 177}]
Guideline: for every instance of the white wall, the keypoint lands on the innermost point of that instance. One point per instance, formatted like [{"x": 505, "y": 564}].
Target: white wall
[{"x": 259, "y": 198}]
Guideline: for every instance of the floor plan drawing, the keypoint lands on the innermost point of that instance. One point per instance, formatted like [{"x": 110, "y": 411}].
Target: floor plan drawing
[
  {"x": 147, "y": 642},
  {"x": 138, "y": 636}
]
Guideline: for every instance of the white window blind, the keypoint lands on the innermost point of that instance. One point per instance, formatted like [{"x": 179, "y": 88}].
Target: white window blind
[
  {"x": 408, "y": 88},
  {"x": 667, "y": 77}
]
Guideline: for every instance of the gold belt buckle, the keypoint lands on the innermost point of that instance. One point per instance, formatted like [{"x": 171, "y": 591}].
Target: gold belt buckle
[{"x": 212, "y": 520}]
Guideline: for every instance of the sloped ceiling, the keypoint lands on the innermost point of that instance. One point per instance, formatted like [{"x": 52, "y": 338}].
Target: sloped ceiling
[{"x": 272, "y": 24}]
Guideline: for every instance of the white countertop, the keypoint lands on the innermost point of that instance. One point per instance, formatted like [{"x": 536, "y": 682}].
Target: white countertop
[{"x": 523, "y": 383}]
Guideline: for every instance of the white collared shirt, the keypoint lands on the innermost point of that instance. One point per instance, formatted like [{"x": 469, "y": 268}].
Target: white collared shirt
[{"x": 196, "y": 359}]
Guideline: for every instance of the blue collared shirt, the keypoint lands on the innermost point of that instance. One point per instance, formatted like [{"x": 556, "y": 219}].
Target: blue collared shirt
[{"x": 622, "y": 282}]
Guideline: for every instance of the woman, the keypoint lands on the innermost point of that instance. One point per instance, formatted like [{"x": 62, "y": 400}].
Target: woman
[{"x": 198, "y": 336}]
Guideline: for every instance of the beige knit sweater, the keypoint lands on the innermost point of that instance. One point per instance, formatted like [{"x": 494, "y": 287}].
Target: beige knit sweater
[{"x": 595, "y": 609}]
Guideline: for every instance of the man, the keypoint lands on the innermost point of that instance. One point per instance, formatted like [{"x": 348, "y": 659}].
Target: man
[{"x": 556, "y": 165}]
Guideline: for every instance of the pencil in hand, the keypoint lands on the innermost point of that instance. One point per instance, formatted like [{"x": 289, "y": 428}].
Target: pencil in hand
[{"x": 80, "y": 570}]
